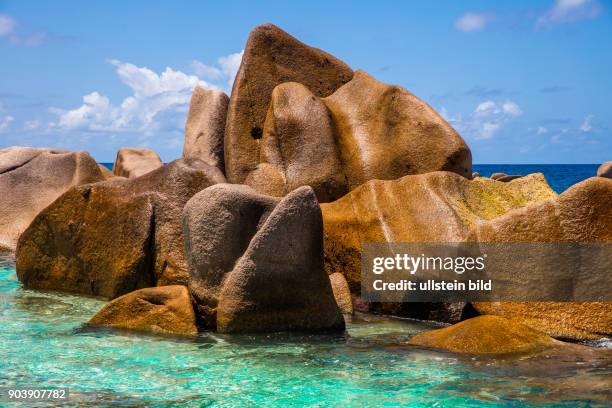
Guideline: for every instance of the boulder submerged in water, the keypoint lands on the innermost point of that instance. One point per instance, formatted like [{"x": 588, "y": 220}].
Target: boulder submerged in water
[
  {"x": 163, "y": 310},
  {"x": 113, "y": 237},
  {"x": 486, "y": 335},
  {"x": 31, "y": 179},
  {"x": 256, "y": 262},
  {"x": 132, "y": 162}
]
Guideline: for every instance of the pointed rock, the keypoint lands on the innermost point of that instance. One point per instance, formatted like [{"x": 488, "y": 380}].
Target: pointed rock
[
  {"x": 205, "y": 126},
  {"x": 271, "y": 57}
]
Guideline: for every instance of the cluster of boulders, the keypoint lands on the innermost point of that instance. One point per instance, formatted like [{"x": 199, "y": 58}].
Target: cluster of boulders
[{"x": 232, "y": 236}]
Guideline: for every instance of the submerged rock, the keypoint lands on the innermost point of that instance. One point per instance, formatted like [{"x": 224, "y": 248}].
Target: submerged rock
[
  {"x": 164, "y": 309},
  {"x": 271, "y": 57},
  {"x": 256, "y": 262},
  {"x": 486, "y": 335},
  {"x": 605, "y": 170},
  {"x": 132, "y": 162},
  {"x": 205, "y": 126},
  {"x": 113, "y": 237},
  {"x": 31, "y": 179},
  {"x": 580, "y": 214}
]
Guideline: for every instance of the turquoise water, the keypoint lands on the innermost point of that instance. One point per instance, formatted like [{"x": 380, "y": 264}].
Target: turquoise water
[{"x": 43, "y": 343}]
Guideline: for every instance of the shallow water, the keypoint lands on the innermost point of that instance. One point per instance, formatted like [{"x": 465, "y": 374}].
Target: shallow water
[{"x": 43, "y": 344}]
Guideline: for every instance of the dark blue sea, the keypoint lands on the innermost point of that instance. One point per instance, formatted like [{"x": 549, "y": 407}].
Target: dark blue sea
[{"x": 559, "y": 176}]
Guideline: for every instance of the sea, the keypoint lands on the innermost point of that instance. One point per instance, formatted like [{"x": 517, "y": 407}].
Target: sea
[{"x": 559, "y": 176}]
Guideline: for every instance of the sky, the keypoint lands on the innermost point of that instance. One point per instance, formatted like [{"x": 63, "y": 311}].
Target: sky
[{"x": 521, "y": 81}]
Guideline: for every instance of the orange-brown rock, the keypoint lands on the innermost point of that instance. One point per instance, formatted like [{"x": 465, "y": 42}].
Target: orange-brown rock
[
  {"x": 132, "y": 162},
  {"x": 164, "y": 309},
  {"x": 486, "y": 335},
  {"x": 116, "y": 236},
  {"x": 605, "y": 170},
  {"x": 385, "y": 132},
  {"x": 342, "y": 293},
  {"x": 205, "y": 126},
  {"x": 271, "y": 57},
  {"x": 31, "y": 179},
  {"x": 431, "y": 207},
  {"x": 581, "y": 214},
  {"x": 365, "y": 130},
  {"x": 298, "y": 147},
  {"x": 106, "y": 173}
]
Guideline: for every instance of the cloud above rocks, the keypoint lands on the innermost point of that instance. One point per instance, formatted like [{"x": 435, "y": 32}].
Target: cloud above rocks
[
  {"x": 8, "y": 31},
  {"x": 587, "y": 126},
  {"x": 472, "y": 21},
  {"x": 158, "y": 101},
  {"x": 569, "y": 11},
  {"x": 486, "y": 120},
  {"x": 223, "y": 74}
]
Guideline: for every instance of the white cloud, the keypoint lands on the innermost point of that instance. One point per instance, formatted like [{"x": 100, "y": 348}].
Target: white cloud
[
  {"x": 541, "y": 130},
  {"x": 487, "y": 119},
  {"x": 511, "y": 108},
  {"x": 7, "y": 25},
  {"x": 587, "y": 126},
  {"x": 569, "y": 11},
  {"x": 473, "y": 21},
  {"x": 224, "y": 73},
  {"x": 32, "y": 125},
  {"x": 158, "y": 101},
  {"x": 5, "y": 122}
]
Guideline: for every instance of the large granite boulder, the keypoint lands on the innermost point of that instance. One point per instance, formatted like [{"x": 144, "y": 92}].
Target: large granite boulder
[
  {"x": 31, "y": 179},
  {"x": 385, "y": 132},
  {"x": 605, "y": 170},
  {"x": 486, "y": 335},
  {"x": 365, "y": 130},
  {"x": 164, "y": 309},
  {"x": 205, "y": 126},
  {"x": 271, "y": 57},
  {"x": 256, "y": 262},
  {"x": 431, "y": 207},
  {"x": 298, "y": 147},
  {"x": 132, "y": 162},
  {"x": 113, "y": 237},
  {"x": 580, "y": 214}
]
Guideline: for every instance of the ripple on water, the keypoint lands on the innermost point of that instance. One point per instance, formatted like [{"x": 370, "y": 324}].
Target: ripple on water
[{"x": 44, "y": 343}]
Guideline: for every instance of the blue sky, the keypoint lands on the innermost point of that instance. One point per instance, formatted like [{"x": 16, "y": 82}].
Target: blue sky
[{"x": 523, "y": 82}]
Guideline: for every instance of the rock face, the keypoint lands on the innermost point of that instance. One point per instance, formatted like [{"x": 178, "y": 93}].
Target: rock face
[
  {"x": 503, "y": 177},
  {"x": 256, "y": 262},
  {"x": 113, "y": 237},
  {"x": 271, "y": 57},
  {"x": 605, "y": 170},
  {"x": 165, "y": 309},
  {"x": 580, "y": 214},
  {"x": 443, "y": 207},
  {"x": 342, "y": 293},
  {"x": 132, "y": 162},
  {"x": 205, "y": 127},
  {"x": 385, "y": 132},
  {"x": 298, "y": 147},
  {"x": 365, "y": 130},
  {"x": 31, "y": 179},
  {"x": 486, "y": 335},
  {"x": 106, "y": 173}
]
